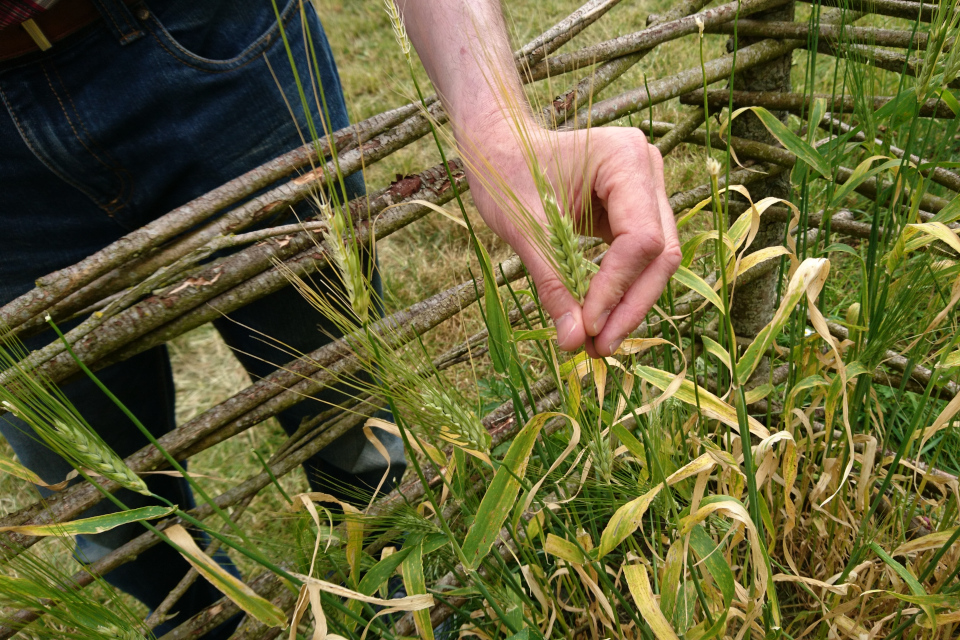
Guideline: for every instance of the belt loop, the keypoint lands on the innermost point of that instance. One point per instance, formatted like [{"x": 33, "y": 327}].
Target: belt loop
[{"x": 119, "y": 20}]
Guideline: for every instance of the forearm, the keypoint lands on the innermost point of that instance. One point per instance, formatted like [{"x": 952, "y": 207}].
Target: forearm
[{"x": 464, "y": 48}]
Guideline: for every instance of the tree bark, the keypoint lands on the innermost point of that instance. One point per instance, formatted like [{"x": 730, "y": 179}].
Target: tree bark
[{"x": 753, "y": 305}]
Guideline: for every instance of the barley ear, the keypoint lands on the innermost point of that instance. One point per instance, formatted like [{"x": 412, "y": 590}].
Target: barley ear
[
  {"x": 91, "y": 452},
  {"x": 567, "y": 256},
  {"x": 459, "y": 426}
]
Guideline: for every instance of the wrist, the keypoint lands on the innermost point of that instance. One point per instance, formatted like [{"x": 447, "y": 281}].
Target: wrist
[{"x": 494, "y": 133}]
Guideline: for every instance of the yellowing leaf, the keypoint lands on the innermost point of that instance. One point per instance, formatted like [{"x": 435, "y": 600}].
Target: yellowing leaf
[
  {"x": 564, "y": 549},
  {"x": 625, "y": 521},
  {"x": 242, "y": 595},
  {"x": 501, "y": 495},
  {"x": 695, "y": 283},
  {"x": 807, "y": 279},
  {"x": 711, "y": 406},
  {"x": 639, "y": 584},
  {"x": 925, "y": 543},
  {"x": 96, "y": 524},
  {"x": 939, "y": 231},
  {"x": 415, "y": 584},
  {"x": 19, "y": 471}
]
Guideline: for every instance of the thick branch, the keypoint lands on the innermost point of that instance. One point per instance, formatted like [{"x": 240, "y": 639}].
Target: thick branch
[
  {"x": 800, "y": 103},
  {"x": 831, "y": 33}
]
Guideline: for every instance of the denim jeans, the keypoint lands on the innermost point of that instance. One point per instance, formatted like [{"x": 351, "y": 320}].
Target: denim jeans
[{"x": 110, "y": 129}]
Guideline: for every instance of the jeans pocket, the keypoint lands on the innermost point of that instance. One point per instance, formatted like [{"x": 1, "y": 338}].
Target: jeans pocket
[{"x": 216, "y": 36}]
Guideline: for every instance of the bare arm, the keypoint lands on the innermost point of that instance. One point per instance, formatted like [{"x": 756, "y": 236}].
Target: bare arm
[{"x": 464, "y": 47}]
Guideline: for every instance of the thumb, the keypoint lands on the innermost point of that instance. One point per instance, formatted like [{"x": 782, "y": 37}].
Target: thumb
[{"x": 556, "y": 300}]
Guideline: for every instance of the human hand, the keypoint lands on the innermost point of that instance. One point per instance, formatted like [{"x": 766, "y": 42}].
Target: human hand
[
  {"x": 464, "y": 49},
  {"x": 613, "y": 179}
]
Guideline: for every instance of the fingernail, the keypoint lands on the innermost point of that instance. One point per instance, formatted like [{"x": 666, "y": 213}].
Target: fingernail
[
  {"x": 601, "y": 321},
  {"x": 614, "y": 345},
  {"x": 565, "y": 327}
]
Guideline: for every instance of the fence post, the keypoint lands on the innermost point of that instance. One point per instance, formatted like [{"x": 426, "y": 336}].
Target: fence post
[{"x": 754, "y": 304}]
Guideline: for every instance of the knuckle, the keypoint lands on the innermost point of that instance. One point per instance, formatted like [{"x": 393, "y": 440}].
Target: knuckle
[
  {"x": 672, "y": 256},
  {"x": 656, "y": 158},
  {"x": 651, "y": 244}
]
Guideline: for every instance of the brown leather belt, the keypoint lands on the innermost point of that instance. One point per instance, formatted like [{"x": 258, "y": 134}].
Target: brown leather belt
[{"x": 64, "y": 18}]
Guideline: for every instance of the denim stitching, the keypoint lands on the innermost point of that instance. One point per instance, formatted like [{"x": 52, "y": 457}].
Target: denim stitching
[
  {"x": 66, "y": 116},
  {"x": 125, "y": 177},
  {"x": 109, "y": 15},
  {"x": 36, "y": 153},
  {"x": 252, "y": 52}
]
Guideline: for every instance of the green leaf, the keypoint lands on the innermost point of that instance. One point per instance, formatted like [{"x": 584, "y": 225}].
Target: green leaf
[
  {"x": 629, "y": 441},
  {"x": 496, "y": 317},
  {"x": 816, "y": 115},
  {"x": 415, "y": 584},
  {"x": 670, "y": 585},
  {"x": 96, "y": 524},
  {"x": 241, "y": 594},
  {"x": 915, "y": 587},
  {"x": 381, "y": 572},
  {"x": 950, "y": 213},
  {"x": 862, "y": 173},
  {"x": 501, "y": 495},
  {"x": 951, "y": 100},
  {"x": 712, "y": 558},
  {"x": 695, "y": 283},
  {"x": 791, "y": 141},
  {"x": 900, "y": 109},
  {"x": 546, "y": 333},
  {"x": 943, "y": 600}
]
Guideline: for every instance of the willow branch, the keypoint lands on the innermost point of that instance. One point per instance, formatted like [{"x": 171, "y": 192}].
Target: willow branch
[
  {"x": 664, "y": 89},
  {"x": 884, "y": 59},
  {"x": 802, "y": 103},
  {"x": 831, "y": 33},
  {"x": 57, "y": 285},
  {"x": 893, "y": 8},
  {"x": 562, "y": 32},
  {"x": 777, "y": 155},
  {"x": 666, "y": 28},
  {"x": 557, "y": 113}
]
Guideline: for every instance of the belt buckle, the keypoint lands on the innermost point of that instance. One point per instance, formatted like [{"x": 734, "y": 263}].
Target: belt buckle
[{"x": 36, "y": 34}]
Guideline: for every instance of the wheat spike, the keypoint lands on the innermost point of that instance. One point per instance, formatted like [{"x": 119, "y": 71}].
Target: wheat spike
[
  {"x": 571, "y": 264},
  {"x": 112, "y": 631},
  {"x": 90, "y": 452},
  {"x": 347, "y": 261},
  {"x": 459, "y": 426}
]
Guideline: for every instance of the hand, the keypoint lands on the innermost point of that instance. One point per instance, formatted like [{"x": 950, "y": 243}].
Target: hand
[
  {"x": 464, "y": 48},
  {"x": 630, "y": 212}
]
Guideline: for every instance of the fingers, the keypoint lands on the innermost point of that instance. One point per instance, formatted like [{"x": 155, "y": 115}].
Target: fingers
[
  {"x": 632, "y": 192},
  {"x": 645, "y": 290},
  {"x": 554, "y": 297}
]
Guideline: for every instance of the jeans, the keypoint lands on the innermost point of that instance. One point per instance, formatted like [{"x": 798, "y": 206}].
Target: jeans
[{"x": 110, "y": 129}]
